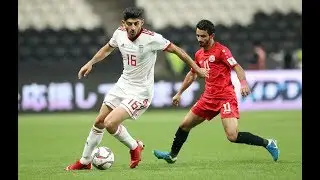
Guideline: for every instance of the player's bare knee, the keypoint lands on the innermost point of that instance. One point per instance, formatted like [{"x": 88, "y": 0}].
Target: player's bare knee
[
  {"x": 185, "y": 126},
  {"x": 111, "y": 127},
  {"x": 231, "y": 135},
  {"x": 108, "y": 124},
  {"x": 99, "y": 122},
  {"x": 103, "y": 113}
]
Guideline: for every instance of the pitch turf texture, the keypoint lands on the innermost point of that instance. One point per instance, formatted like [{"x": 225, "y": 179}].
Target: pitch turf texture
[{"x": 49, "y": 142}]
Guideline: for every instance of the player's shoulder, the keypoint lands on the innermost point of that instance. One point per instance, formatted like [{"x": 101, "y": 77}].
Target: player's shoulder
[
  {"x": 221, "y": 47},
  {"x": 151, "y": 36},
  {"x": 200, "y": 51},
  {"x": 148, "y": 32},
  {"x": 120, "y": 30}
]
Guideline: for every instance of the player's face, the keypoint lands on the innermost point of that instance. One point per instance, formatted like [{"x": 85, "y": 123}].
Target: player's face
[
  {"x": 132, "y": 26},
  {"x": 203, "y": 37}
]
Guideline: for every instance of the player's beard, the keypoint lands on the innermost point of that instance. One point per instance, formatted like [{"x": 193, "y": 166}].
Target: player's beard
[
  {"x": 132, "y": 33},
  {"x": 203, "y": 44}
]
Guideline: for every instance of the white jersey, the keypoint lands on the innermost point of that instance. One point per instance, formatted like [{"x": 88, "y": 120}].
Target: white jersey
[{"x": 139, "y": 57}]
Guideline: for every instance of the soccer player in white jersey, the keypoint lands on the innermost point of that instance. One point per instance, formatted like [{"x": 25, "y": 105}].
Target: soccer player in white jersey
[{"x": 133, "y": 92}]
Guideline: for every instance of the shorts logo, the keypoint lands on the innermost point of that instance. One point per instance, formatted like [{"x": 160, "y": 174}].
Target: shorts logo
[
  {"x": 226, "y": 108},
  {"x": 212, "y": 58},
  {"x": 136, "y": 105}
]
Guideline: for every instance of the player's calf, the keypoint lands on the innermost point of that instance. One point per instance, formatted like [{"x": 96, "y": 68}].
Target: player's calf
[
  {"x": 190, "y": 121},
  {"x": 125, "y": 138},
  {"x": 111, "y": 126},
  {"x": 251, "y": 139},
  {"x": 93, "y": 140},
  {"x": 178, "y": 141},
  {"x": 104, "y": 112},
  {"x": 230, "y": 126}
]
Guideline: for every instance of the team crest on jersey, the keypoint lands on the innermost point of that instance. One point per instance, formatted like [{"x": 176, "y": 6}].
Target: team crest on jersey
[
  {"x": 141, "y": 48},
  {"x": 212, "y": 58}
]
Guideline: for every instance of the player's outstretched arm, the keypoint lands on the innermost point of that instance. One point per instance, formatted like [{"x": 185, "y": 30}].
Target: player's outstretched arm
[
  {"x": 99, "y": 56},
  {"x": 190, "y": 77},
  {"x": 188, "y": 80},
  {"x": 202, "y": 72},
  {"x": 245, "y": 90}
]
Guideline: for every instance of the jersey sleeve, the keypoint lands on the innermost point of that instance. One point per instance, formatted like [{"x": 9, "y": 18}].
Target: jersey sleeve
[
  {"x": 227, "y": 57},
  {"x": 159, "y": 42},
  {"x": 113, "y": 40},
  {"x": 196, "y": 61}
]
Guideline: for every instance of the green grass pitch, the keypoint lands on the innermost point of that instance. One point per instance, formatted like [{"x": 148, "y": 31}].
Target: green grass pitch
[{"x": 49, "y": 142}]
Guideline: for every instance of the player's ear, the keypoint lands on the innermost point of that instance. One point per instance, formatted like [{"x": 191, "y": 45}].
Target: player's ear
[
  {"x": 123, "y": 23},
  {"x": 212, "y": 36},
  {"x": 142, "y": 22}
]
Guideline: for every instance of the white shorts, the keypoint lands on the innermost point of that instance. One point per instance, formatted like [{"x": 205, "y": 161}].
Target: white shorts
[{"x": 134, "y": 105}]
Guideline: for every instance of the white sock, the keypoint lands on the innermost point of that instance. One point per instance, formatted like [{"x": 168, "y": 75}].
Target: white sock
[
  {"x": 93, "y": 140},
  {"x": 124, "y": 137}
]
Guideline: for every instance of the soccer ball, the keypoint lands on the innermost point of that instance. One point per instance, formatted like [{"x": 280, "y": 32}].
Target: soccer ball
[{"x": 102, "y": 158}]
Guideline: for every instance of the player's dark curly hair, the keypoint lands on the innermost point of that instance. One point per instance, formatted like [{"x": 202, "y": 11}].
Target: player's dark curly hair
[
  {"x": 132, "y": 12},
  {"x": 206, "y": 25}
]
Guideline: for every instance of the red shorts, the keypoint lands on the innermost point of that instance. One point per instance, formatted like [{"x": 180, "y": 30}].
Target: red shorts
[{"x": 210, "y": 109}]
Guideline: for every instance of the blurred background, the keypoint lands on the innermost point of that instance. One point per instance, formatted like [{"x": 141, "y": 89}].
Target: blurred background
[{"x": 57, "y": 37}]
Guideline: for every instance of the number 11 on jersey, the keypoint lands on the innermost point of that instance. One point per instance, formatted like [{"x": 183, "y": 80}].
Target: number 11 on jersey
[{"x": 132, "y": 59}]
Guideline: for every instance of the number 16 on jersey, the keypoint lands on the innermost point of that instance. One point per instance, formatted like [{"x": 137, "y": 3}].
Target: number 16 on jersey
[{"x": 132, "y": 59}]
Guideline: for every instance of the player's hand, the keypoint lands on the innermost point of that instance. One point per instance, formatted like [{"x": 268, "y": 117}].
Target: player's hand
[
  {"x": 245, "y": 90},
  {"x": 176, "y": 99},
  {"x": 84, "y": 71},
  {"x": 203, "y": 72}
]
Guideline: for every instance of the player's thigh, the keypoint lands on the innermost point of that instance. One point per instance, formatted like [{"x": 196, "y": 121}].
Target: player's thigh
[
  {"x": 191, "y": 120},
  {"x": 128, "y": 108},
  {"x": 115, "y": 118},
  {"x": 229, "y": 116},
  {"x": 112, "y": 101}
]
